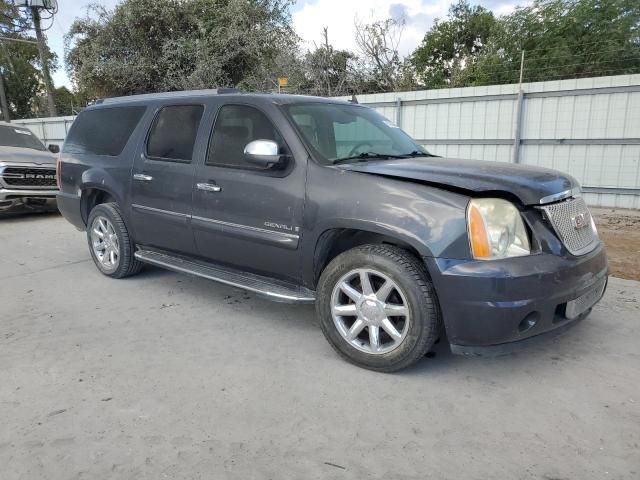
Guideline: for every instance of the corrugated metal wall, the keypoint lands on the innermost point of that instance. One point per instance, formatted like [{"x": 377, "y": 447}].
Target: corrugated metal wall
[
  {"x": 49, "y": 130},
  {"x": 589, "y": 128}
]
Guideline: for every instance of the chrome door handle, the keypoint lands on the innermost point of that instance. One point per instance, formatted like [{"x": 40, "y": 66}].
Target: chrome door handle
[
  {"x": 208, "y": 187},
  {"x": 142, "y": 177}
]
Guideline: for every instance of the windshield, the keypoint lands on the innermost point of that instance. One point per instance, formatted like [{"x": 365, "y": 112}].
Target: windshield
[
  {"x": 19, "y": 137},
  {"x": 351, "y": 132}
]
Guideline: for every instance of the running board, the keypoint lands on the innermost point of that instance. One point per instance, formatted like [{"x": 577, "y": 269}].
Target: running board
[{"x": 270, "y": 288}]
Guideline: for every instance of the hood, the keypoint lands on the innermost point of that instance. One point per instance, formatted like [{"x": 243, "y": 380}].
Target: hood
[
  {"x": 529, "y": 184},
  {"x": 26, "y": 155}
]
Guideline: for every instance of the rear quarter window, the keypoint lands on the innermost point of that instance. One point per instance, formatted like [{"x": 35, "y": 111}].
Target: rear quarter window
[{"x": 104, "y": 131}]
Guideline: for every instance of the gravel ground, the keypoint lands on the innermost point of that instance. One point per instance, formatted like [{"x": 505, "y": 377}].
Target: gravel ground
[{"x": 169, "y": 376}]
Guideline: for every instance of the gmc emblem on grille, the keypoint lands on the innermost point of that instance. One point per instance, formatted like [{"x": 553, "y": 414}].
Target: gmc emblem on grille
[{"x": 580, "y": 221}]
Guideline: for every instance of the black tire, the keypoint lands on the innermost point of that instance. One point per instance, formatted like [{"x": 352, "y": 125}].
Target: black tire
[
  {"x": 411, "y": 276},
  {"x": 127, "y": 264}
]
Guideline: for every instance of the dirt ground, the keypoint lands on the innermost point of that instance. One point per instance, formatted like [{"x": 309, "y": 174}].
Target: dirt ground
[{"x": 620, "y": 231}]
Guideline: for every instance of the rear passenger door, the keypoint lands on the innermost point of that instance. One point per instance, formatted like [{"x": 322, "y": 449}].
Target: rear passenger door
[
  {"x": 244, "y": 215},
  {"x": 163, "y": 176}
]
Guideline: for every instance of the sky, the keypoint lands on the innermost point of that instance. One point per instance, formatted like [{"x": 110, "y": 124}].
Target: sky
[{"x": 309, "y": 17}]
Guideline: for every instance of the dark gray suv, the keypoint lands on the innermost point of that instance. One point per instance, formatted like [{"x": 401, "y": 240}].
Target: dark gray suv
[{"x": 305, "y": 199}]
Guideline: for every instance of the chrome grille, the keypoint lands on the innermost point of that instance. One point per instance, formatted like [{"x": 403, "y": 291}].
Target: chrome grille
[
  {"x": 29, "y": 177},
  {"x": 571, "y": 221}
]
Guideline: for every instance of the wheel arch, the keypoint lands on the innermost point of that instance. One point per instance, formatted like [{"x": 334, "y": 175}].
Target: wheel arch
[
  {"x": 91, "y": 196},
  {"x": 336, "y": 240},
  {"x": 97, "y": 186}
]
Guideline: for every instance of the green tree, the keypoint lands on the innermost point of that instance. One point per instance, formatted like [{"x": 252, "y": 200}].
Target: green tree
[
  {"x": 452, "y": 45},
  {"x": 159, "y": 45},
  {"x": 67, "y": 102},
  {"x": 562, "y": 39},
  {"x": 20, "y": 62}
]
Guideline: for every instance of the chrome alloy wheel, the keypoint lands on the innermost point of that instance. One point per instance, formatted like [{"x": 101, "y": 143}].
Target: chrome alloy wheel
[
  {"x": 104, "y": 242},
  {"x": 370, "y": 311}
]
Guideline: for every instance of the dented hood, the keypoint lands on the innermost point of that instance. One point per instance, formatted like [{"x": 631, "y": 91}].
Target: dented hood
[{"x": 529, "y": 184}]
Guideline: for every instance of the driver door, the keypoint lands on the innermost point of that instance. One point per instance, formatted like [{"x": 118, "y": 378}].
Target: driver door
[{"x": 247, "y": 216}]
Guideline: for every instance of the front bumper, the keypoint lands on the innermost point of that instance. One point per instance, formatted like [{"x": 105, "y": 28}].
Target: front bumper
[
  {"x": 15, "y": 198},
  {"x": 495, "y": 307}
]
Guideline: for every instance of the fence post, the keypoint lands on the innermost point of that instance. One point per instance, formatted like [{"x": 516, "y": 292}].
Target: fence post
[
  {"x": 399, "y": 112},
  {"x": 518, "y": 128}
]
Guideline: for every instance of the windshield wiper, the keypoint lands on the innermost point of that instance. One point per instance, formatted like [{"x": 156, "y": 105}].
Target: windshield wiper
[
  {"x": 364, "y": 156},
  {"x": 416, "y": 153}
]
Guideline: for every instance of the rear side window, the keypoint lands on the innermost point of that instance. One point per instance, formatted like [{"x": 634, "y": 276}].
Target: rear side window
[
  {"x": 174, "y": 131},
  {"x": 104, "y": 131},
  {"x": 235, "y": 127}
]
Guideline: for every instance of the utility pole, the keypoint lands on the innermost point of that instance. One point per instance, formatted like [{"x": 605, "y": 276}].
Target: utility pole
[
  {"x": 3, "y": 100},
  {"x": 35, "y": 14}
]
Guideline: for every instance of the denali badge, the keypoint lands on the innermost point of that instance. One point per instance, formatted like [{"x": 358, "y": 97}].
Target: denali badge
[
  {"x": 580, "y": 220},
  {"x": 281, "y": 226}
]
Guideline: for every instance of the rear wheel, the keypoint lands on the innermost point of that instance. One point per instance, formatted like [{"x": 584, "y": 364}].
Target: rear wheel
[
  {"x": 110, "y": 244},
  {"x": 377, "y": 307}
]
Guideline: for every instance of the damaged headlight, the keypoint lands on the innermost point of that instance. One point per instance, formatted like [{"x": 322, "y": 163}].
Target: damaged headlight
[{"x": 496, "y": 229}]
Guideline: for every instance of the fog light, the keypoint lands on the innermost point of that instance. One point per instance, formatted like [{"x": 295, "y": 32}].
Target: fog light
[{"x": 529, "y": 322}]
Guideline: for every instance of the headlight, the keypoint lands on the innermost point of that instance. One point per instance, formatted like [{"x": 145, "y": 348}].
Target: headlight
[{"x": 496, "y": 229}]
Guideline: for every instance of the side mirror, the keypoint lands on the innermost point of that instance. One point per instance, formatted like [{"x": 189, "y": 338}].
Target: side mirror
[
  {"x": 263, "y": 153},
  {"x": 53, "y": 148}
]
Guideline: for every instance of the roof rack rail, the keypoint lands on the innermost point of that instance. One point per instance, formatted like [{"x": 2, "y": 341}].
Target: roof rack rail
[{"x": 161, "y": 95}]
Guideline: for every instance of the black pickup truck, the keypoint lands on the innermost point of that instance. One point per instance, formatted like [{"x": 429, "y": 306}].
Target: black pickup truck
[{"x": 305, "y": 199}]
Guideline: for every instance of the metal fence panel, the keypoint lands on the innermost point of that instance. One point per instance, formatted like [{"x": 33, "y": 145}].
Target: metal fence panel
[{"x": 589, "y": 128}]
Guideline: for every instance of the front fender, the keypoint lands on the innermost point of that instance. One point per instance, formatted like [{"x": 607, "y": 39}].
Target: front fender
[{"x": 430, "y": 220}]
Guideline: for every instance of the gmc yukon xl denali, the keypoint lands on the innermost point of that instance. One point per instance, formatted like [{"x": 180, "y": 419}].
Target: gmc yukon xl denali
[
  {"x": 27, "y": 170},
  {"x": 304, "y": 199}
]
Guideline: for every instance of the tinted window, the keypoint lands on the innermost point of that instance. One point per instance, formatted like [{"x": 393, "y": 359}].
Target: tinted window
[
  {"x": 19, "y": 137},
  {"x": 174, "y": 132},
  {"x": 103, "y": 131},
  {"x": 237, "y": 125}
]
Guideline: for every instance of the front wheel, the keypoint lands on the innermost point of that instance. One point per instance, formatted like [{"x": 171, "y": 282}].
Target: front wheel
[{"x": 377, "y": 307}]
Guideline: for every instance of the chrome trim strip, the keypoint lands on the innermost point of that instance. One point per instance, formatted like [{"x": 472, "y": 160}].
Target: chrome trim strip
[
  {"x": 208, "y": 187},
  {"x": 6, "y": 192},
  {"x": 575, "y": 192},
  {"x": 247, "y": 227},
  {"x": 159, "y": 210}
]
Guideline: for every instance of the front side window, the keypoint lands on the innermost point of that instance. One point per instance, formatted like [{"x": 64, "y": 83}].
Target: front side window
[
  {"x": 20, "y": 137},
  {"x": 174, "y": 131},
  {"x": 338, "y": 132},
  {"x": 103, "y": 131},
  {"x": 235, "y": 127}
]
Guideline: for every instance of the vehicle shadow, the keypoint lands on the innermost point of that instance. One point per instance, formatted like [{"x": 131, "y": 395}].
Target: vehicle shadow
[
  {"x": 547, "y": 353},
  {"x": 278, "y": 313},
  {"x": 438, "y": 361},
  {"x": 28, "y": 215}
]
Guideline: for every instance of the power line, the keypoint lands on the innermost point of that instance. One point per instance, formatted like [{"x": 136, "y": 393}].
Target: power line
[{"x": 21, "y": 40}]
